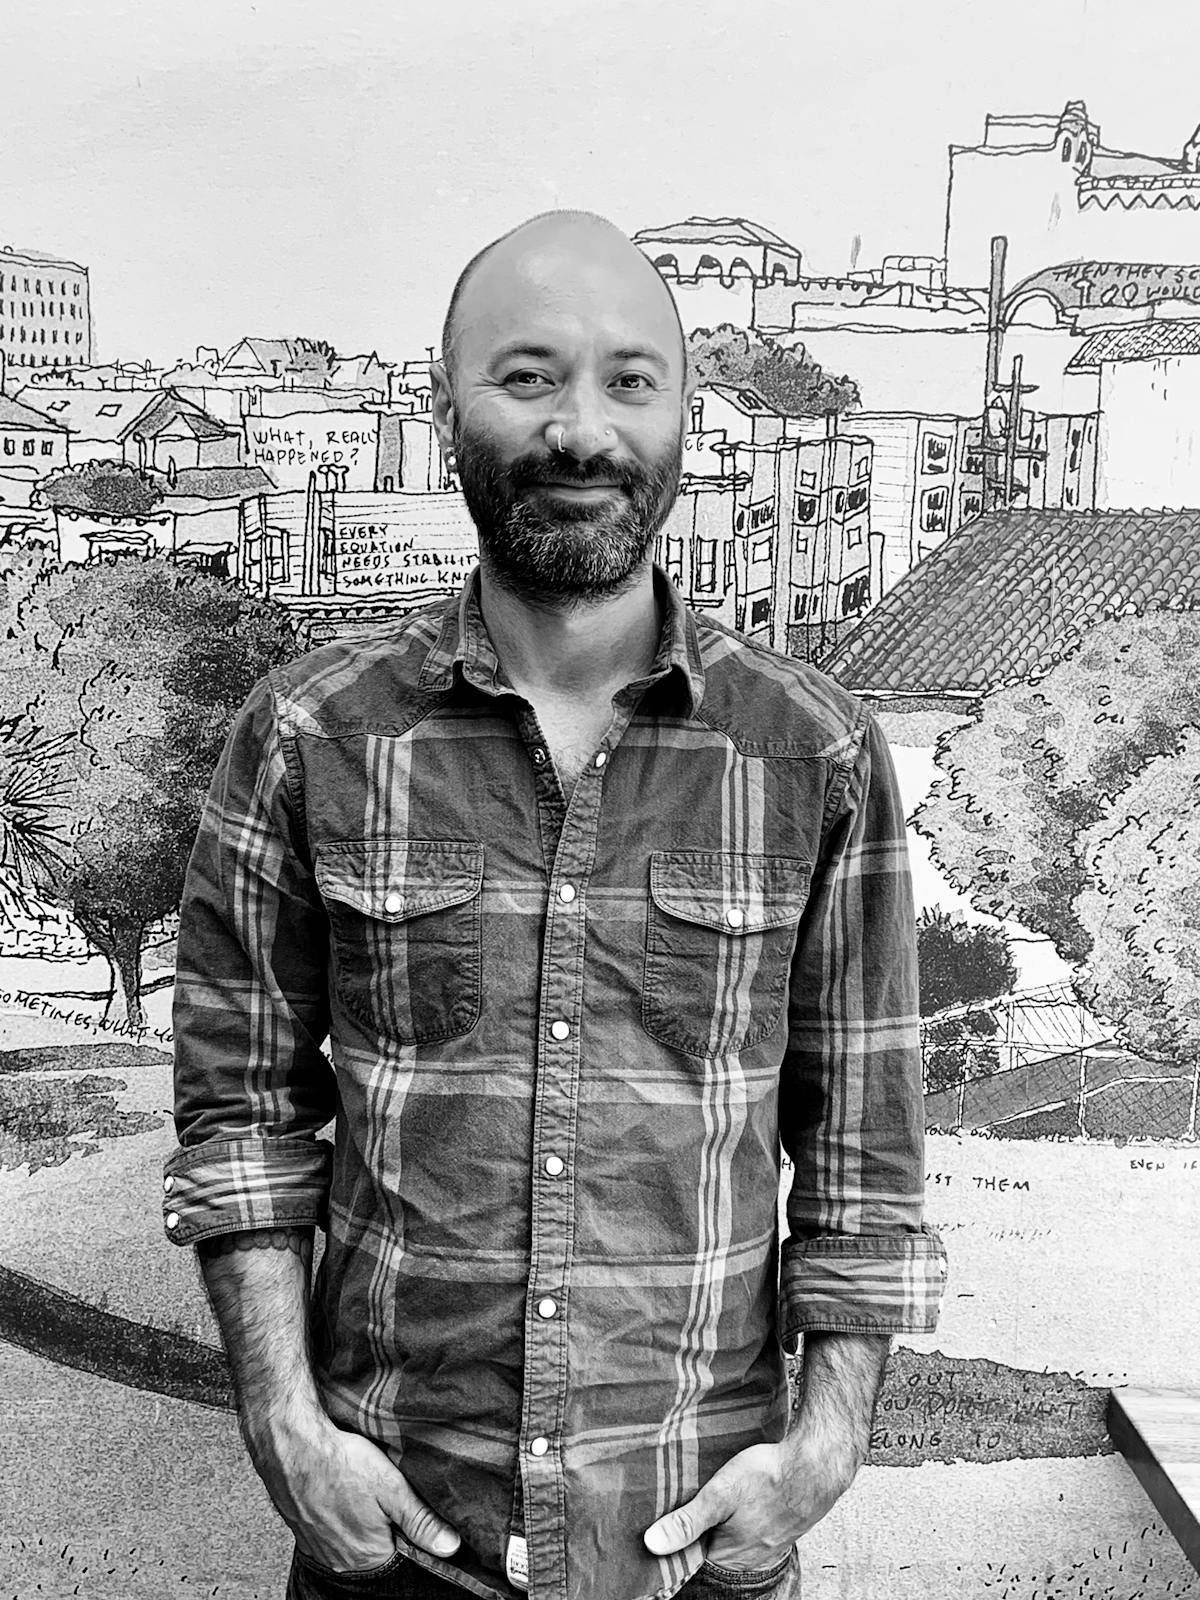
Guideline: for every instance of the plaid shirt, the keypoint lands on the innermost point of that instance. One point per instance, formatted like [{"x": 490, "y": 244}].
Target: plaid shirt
[{"x": 567, "y": 1041}]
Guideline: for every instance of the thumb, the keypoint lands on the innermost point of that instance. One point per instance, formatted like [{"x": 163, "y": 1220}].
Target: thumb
[
  {"x": 683, "y": 1526},
  {"x": 418, "y": 1522}
]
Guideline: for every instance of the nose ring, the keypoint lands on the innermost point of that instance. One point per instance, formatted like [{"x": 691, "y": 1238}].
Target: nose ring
[{"x": 560, "y": 430}]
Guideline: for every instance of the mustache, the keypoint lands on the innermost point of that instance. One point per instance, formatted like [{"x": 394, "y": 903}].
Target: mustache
[{"x": 561, "y": 467}]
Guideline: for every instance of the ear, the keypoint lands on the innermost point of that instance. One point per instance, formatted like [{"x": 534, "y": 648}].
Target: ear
[{"x": 442, "y": 405}]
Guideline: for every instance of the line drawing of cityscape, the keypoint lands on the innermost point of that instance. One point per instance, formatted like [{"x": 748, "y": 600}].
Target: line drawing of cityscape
[{"x": 1005, "y": 475}]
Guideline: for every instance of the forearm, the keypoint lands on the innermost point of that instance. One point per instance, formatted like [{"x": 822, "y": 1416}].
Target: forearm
[
  {"x": 258, "y": 1283},
  {"x": 841, "y": 1375}
]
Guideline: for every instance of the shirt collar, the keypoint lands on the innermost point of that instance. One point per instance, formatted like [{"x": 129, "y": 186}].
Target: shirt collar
[{"x": 463, "y": 648}]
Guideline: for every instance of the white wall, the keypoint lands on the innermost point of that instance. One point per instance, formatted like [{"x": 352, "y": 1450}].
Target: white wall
[{"x": 1149, "y": 434}]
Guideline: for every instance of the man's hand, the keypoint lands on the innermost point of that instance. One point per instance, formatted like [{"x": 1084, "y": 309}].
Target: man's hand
[
  {"x": 765, "y": 1498},
  {"x": 341, "y": 1495}
]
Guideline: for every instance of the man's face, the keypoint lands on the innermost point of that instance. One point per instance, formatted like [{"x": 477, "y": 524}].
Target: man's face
[{"x": 568, "y": 421}]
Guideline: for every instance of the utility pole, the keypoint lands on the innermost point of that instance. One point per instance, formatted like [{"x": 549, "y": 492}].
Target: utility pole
[{"x": 1000, "y": 430}]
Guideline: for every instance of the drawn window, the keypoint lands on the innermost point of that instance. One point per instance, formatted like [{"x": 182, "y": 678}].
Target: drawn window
[
  {"x": 854, "y": 534},
  {"x": 58, "y": 405},
  {"x": 800, "y": 608},
  {"x": 674, "y": 561},
  {"x": 936, "y": 454},
  {"x": 28, "y": 447},
  {"x": 839, "y": 502},
  {"x": 761, "y": 550},
  {"x": 808, "y": 480},
  {"x": 739, "y": 521},
  {"x": 856, "y": 594},
  {"x": 933, "y": 509},
  {"x": 806, "y": 508},
  {"x": 109, "y": 411},
  {"x": 277, "y": 555},
  {"x": 971, "y": 505},
  {"x": 706, "y": 566},
  {"x": 10, "y": 448},
  {"x": 47, "y": 447},
  {"x": 760, "y": 612},
  {"x": 972, "y": 455},
  {"x": 1073, "y": 457},
  {"x": 856, "y": 499},
  {"x": 863, "y": 468},
  {"x": 802, "y": 544},
  {"x": 1066, "y": 149}
]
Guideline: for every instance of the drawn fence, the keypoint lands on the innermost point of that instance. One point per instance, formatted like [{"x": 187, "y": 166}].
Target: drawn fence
[{"x": 1036, "y": 1064}]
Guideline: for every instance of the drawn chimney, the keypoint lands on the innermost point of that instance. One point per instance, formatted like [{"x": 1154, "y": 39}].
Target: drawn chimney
[{"x": 1191, "y": 153}]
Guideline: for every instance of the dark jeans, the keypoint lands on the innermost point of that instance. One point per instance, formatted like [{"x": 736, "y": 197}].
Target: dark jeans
[{"x": 401, "y": 1579}]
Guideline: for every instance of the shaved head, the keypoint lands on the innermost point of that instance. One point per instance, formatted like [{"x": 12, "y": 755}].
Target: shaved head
[{"x": 561, "y": 234}]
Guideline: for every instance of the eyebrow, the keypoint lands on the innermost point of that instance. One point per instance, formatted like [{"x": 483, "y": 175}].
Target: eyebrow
[{"x": 545, "y": 352}]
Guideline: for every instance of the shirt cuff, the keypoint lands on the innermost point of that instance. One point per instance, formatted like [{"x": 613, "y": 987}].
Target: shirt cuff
[
  {"x": 889, "y": 1283},
  {"x": 231, "y": 1185}
]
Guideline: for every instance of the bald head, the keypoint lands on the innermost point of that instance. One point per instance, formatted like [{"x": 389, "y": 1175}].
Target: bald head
[{"x": 554, "y": 255}]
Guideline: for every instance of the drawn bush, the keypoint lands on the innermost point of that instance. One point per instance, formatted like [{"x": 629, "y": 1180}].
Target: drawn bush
[
  {"x": 961, "y": 963},
  {"x": 100, "y": 488},
  {"x": 134, "y": 668},
  {"x": 789, "y": 380}
]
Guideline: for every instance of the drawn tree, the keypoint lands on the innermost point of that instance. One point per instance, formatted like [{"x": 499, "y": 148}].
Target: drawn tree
[
  {"x": 789, "y": 380},
  {"x": 32, "y": 810},
  {"x": 132, "y": 668},
  {"x": 1051, "y": 811},
  {"x": 312, "y": 359},
  {"x": 1142, "y": 908},
  {"x": 961, "y": 963},
  {"x": 100, "y": 488}
]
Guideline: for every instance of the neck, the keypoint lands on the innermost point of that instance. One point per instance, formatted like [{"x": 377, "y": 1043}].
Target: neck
[{"x": 572, "y": 646}]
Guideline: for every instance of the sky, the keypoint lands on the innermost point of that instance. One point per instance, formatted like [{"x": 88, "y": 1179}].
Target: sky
[{"x": 292, "y": 167}]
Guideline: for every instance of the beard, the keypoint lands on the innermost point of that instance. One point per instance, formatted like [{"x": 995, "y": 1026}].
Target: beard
[{"x": 570, "y": 550}]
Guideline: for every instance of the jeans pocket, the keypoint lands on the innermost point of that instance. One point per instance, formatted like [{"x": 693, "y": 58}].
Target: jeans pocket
[
  {"x": 310, "y": 1580},
  {"x": 406, "y": 932},
  {"x": 779, "y": 1581}
]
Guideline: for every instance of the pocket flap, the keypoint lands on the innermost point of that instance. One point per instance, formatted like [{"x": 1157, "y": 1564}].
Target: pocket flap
[
  {"x": 729, "y": 891},
  {"x": 394, "y": 879}
]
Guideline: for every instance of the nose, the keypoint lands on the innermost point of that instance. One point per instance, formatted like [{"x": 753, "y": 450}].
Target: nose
[{"x": 579, "y": 430}]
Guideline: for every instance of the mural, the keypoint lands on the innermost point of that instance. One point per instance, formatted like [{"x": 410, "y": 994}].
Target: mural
[{"x": 930, "y": 478}]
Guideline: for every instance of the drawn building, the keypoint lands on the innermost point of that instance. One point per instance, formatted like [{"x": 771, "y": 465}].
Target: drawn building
[
  {"x": 1149, "y": 420},
  {"x": 95, "y": 419},
  {"x": 172, "y": 432},
  {"x": 771, "y": 532},
  {"x": 718, "y": 266},
  {"x": 1059, "y": 194},
  {"x": 45, "y": 310},
  {"x": 31, "y": 445}
]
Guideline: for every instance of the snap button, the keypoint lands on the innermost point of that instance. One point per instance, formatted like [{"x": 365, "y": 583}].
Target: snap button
[
  {"x": 567, "y": 893},
  {"x": 546, "y": 1308},
  {"x": 168, "y": 1184},
  {"x": 393, "y": 902},
  {"x": 172, "y": 1219},
  {"x": 555, "y": 1165},
  {"x": 560, "y": 1029},
  {"x": 539, "y": 757},
  {"x": 538, "y": 1446},
  {"x": 735, "y": 916},
  {"x": 601, "y": 757}
]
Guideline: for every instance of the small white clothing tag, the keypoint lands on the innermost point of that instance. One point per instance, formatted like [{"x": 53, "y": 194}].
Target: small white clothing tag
[{"x": 516, "y": 1562}]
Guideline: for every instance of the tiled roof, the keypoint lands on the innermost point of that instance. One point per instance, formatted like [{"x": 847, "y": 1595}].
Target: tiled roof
[
  {"x": 218, "y": 483},
  {"x": 1011, "y": 592},
  {"x": 90, "y": 413},
  {"x": 14, "y": 415},
  {"x": 1140, "y": 342}
]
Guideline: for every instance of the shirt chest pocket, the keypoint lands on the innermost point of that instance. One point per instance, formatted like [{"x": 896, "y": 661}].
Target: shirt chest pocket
[
  {"x": 406, "y": 933},
  {"x": 720, "y": 933}
]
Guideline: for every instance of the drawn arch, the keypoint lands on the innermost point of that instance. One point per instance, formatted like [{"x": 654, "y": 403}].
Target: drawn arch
[
  {"x": 668, "y": 265},
  {"x": 709, "y": 265},
  {"x": 1034, "y": 308}
]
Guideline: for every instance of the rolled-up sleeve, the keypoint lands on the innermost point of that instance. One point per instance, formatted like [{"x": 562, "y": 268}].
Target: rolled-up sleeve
[
  {"x": 252, "y": 1087},
  {"x": 859, "y": 1258}
]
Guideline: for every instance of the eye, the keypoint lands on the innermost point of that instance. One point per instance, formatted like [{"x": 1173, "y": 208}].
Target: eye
[
  {"x": 524, "y": 378},
  {"x": 633, "y": 382}
]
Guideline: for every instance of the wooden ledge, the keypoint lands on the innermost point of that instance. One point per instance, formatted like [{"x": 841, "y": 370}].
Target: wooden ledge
[{"x": 1158, "y": 1433}]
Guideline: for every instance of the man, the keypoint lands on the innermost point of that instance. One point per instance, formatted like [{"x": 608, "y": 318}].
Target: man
[{"x": 596, "y": 903}]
